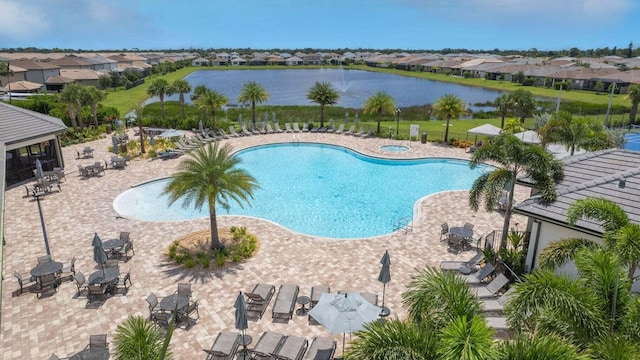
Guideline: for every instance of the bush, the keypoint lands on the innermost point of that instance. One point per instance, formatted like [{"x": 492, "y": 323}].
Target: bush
[
  {"x": 221, "y": 259},
  {"x": 189, "y": 263}
]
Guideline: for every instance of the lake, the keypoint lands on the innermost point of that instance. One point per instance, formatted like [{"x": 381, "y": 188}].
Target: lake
[{"x": 289, "y": 87}]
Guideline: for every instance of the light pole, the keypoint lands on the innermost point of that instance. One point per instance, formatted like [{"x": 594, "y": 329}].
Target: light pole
[
  {"x": 44, "y": 229},
  {"x": 397, "y": 122}
]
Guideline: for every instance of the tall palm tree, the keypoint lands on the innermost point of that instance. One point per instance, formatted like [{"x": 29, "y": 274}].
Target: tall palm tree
[
  {"x": 620, "y": 235},
  {"x": 160, "y": 88},
  {"x": 515, "y": 159},
  {"x": 502, "y": 105},
  {"x": 210, "y": 102},
  {"x": 324, "y": 94},
  {"x": 253, "y": 93},
  {"x": 634, "y": 95},
  {"x": 139, "y": 113},
  {"x": 522, "y": 103},
  {"x": 379, "y": 103},
  {"x": 575, "y": 133},
  {"x": 181, "y": 87},
  {"x": 71, "y": 95},
  {"x": 449, "y": 106},
  {"x": 140, "y": 339},
  {"x": 92, "y": 96},
  {"x": 210, "y": 175}
]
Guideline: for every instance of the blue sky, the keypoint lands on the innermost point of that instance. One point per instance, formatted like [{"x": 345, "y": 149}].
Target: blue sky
[{"x": 331, "y": 24}]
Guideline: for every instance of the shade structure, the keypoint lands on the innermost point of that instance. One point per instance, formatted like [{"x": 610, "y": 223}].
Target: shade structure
[
  {"x": 385, "y": 277},
  {"x": 99, "y": 256},
  {"x": 171, "y": 133},
  {"x": 39, "y": 171},
  {"x": 486, "y": 129},
  {"x": 529, "y": 137},
  {"x": 343, "y": 313}
]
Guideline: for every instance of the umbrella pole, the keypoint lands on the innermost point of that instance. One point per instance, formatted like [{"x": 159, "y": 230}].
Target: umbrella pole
[{"x": 343, "y": 337}]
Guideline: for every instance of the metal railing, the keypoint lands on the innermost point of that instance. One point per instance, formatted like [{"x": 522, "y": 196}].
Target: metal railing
[
  {"x": 493, "y": 240},
  {"x": 405, "y": 223}
]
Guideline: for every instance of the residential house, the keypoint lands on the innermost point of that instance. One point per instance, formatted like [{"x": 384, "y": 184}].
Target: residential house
[
  {"x": 275, "y": 60},
  {"x": 218, "y": 61},
  {"x": 83, "y": 77},
  {"x": 200, "y": 62},
  {"x": 37, "y": 71},
  {"x": 57, "y": 83},
  {"x": 224, "y": 55},
  {"x": 294, "y": 61},
  {"x": 312, "y": 59},
  {"x": 72, "y": 62},
  {"x": 17, "y": 74},
  {"x": 238, "y": 61},
  {"x": 258, "y": 62},
  {"x": 101, "y": 63}
]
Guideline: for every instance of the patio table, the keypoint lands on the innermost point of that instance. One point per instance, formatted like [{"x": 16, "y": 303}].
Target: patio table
[
  {"x": 91, "y": 354},
  {"x": 461, "y": 232},
  {"x": 112, "y": 244},
  {"x": 109, "y": 275},
  {"x": 175, "y": 301},
  {"x": 47, "y": 268}
]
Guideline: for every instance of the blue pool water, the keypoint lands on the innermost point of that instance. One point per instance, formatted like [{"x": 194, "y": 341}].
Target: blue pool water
[
  {"x": 394, "y": 148},
  {"x": 319, "y": 190},
  {"x": 632, "y": 142}
]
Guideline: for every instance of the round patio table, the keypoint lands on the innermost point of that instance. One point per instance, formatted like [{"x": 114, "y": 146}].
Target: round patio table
[
  {"x": 47, "y": 268},
  {"x": 461, "y": 232},
  {"x": 91, "y": 354},
  {"x": 109, "y": 275},
  {"x": 112, "y": 244},
  {"x": 175, "y": 301}
]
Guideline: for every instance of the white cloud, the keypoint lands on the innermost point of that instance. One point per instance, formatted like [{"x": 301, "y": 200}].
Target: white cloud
[{"x": 22, "y": 21}]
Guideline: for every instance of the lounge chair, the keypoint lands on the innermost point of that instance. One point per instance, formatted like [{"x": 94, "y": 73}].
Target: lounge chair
[
  {"x": 316, "y": 292},
  {"x": 351, "y": 130},
  {"x": 232, "y": 132},
  {"x": 360, "y": 131},
  {"x": 269, "y": 129},
  {"x": 224, "y": 347},
  {"x": 305, "y": 127},
  {"x": 496, "y": 305},
  {"x": 204, "y": 139},
  {"x": 368, "y": 134},
  {"x": 296, "y": 128},
  {"x": 277, "y": 127},
  {"x": 340, "y": 129},
  {"x": 254, "y": 130},
  {"x": 492, "y": 288},
  {"x": 477, "y": 277},
  {"x": 285, "y": 302},
  {"x": 268, "y": 344},
  {"x": 322, "y": 348},
  {"x": 288, "y": 128},
  {"x": 245, "y": 131},
  {"x": 258, "y": 300},
  {"x": 457, "y": 265},
  {"x": 370, "y": 297},
  {"x": 497, "y": 323},
  {"x": 292, "y": 348},
  {"x": 169, "y": 154},
  {"x": 182, "y": 145}
]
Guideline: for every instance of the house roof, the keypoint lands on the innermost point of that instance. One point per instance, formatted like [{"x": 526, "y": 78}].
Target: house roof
[
  {"x": 33, "y": 65},
  {"x": 596, "y": 174},
  {"x": 22, "y": 85},
  {"x": 56, "y": 80},
  {"x": 17, "y": 124},
  {"x": 71, "y": 62},
  {"x": 80, "y": 74}
]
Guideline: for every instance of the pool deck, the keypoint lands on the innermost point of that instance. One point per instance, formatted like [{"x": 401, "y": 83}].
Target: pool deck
[{"x": 35, "y": 328}]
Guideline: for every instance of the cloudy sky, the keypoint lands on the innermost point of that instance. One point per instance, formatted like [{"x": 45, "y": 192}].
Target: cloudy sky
[{"x": 331, "y": 24}]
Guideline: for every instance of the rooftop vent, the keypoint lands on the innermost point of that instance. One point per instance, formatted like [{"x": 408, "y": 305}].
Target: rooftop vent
[{"x": 622, "y": 183}]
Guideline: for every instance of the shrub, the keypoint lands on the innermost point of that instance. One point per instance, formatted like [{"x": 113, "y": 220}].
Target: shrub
[
  {"x": 221, "y": 259},
  {"x": 189, "y": 263},
  {"x": 205, "y": 262}
]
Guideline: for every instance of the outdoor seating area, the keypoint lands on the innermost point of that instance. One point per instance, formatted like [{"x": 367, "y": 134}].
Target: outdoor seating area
[
  {"x": 180, "y": 307},
  {"x": 458, "y": 238}
]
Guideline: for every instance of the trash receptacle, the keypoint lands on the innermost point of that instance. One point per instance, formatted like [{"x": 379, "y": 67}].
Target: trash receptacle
[
  {"x": 108, "y": 128},
  {"x": 423, "y": 139}
]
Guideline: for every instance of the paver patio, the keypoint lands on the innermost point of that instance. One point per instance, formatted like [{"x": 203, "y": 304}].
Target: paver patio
[{"x": 34, "y": 328}]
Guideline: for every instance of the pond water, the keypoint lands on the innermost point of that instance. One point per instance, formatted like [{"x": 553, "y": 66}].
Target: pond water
[{"x": 289, "y": 87}]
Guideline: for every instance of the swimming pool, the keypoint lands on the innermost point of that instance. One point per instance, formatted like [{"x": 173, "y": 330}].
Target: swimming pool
[
  {"x": 632, "y": 141},
  {"x": 394, "y": 148},
  {"x": 320, "y": 190}
]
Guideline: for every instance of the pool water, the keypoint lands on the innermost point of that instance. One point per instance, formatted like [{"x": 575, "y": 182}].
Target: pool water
[
  {"x": 319, "y": 190},
  {"x": 632, "y": 141},
  {"x": 394, "y": 148}
]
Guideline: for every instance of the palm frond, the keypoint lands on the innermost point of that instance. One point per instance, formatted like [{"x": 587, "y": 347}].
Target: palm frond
[
  {"x": 467, "y": 339},
  {"x": 536, "y": 347},
  {"x": 559, "y": 252},
  {"x": 607, "y": 212},
  {"x": 393, "y": 340}
]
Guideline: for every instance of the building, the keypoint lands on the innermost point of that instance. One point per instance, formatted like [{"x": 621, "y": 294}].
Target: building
[{"x": 25, "y": 136}]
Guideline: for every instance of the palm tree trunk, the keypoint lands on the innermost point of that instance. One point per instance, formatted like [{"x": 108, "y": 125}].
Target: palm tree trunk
[
  {"x": 446, "y": 131},
  {"x": 182, "y": 104},
  {"x": 507, "y": 213},
  {"x": 161, "y": 96},
  {"x": 72, "y": 117},
  {"x": 213, "y": 221},
  {"x": 632, "y": 113},
  {"x": 321, "y": 115},
  {"x": 80, "y": 121},
  {"x": 379, "y": 119},
  {"x": 94, "y": 111},
  {"x": 502, "y": 121},
  {"x": 141, "y": 136},
  {"x": 213, "y": 119},
  {"x": 253, "y": 113}
]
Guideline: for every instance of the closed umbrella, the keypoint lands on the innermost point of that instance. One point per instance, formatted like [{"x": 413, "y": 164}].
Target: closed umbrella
[
  {"x": 355, "y": 119},
  {"x": 384, "y": 278},
  {"x": 152, "y": 141},
  {"x": 343, "y": 313},
  {"x": 273, "y": 116},
  {"x": 200, "y": 126},
  {"x": 99, "y": 256},
  {"x": 114, "y": 142},
  {"x": 240, "y": 119},
  {"x": 241, "y": 318},
  {"x": 39, "y": 172},
  {"x": 346, "y": 117}
]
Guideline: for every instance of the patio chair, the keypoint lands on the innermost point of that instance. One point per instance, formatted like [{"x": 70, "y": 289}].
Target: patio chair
[
  {"x": 258, "y": 300},
  {"x": 468, "y": 226},
  {"x": 95, "y": 290},
  {"x": 305, "y": 127},
  {"x": 285, "y": 302},
  {"x": 322, "y": 348},
  {"x": 269, "y": 129},
  {"x": 492, "y": 288},
  {"x": 292, "y": 348},
  {"x": 245, "y": 131},
  {"x": 184, "y": 289},
  {"x": 224, "y": 347},
  {"x": 122, "y": 282},
  {"x": 477, "y": 277},
  {"x": 456, "y": 244},
  {"x": 154, "y": 309},
  {"x": 81, "y": 282},
  {"x": 44, "y": 259},
  {"x": 98, "y": 342},
  {"x": 316, "y": 292},
  {"x": 23, "y": 281},
  {"x": 184, "y": 314},
  {"x": 496, "y": 305},
  {"x": 277, "y": 127},
  {"x": 47, "y": 283},
  {"x": 84, "y": 172},
  {"x": 350, "y": 131},
  {"x": 71, "y": 269},
  {"x": 296, "y": 127},
  {"x": 288, "y": 128},
  {"x": 340, "y": 129},
  {"x": 360, "y": 131},
  {"x": 268, "y": 344},
  {"x": 457, "y": 265},
  {"x": 232, "y": 132},
  {"x": 368, "y": 134},
  {"x": 98, "y": 167}
]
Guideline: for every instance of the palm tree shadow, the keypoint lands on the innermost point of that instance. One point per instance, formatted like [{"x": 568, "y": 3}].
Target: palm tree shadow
[{"x": 180, "y": 273}]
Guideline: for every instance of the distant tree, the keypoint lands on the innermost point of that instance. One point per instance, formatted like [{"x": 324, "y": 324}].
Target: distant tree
[
  {"x": 324, "y": 94},
  {"x": 630, "y": 50},
  {"x": 105, "y": 81},
  {"x": 522, "y": 103},
  {"x": 160, "y": 87},
  {"x": 502, "y": 105},
  {"x": 449, "y": 106},
  {"x": 634, "y": 95},
  {"x": 71, "y": 95},
  {"x": 519, "y": 77},
  {"x": 599, "y": 86},
  {"x": 575, "y": 134},
  {"x": 210, "y": 102},
  {"x": 379, "y": 103},
  {"x": 253, "y": 93},
  {"x": 91, "y": 96},
  {"x": 199, "y": 90},
  {"x": 181, "y": 87}
]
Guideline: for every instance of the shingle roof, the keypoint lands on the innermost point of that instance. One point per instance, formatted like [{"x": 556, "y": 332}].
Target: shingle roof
[
  {"x": 596, "y": 174},
  {"x": 17, "y": 124}
]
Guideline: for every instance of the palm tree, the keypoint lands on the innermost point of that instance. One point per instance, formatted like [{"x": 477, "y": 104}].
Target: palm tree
[
  {"x": 574, "y": 133},
  {"x": 139, "y": 339},
  {"x": 620, "y": 236},
  {"x": 92, "y": 96},
  {"x": 210, "y": 102},
  {"x": 181, "y": 86},
  {"x": 502, "y": 105},
  {"x": 324, "y": 94},
  {"x": 71, "y": 95},
  {"x": 448, "y": 106},
  {"x": 516, "y": 159},
  {"x": 539, "y": 347},
  {"x": 160, "y": 87},
  {"x": 378, "y": 103},
  {"x": 634, "y": 95},
  {"x": 252, "y": 92},
  {"x": 522, "y": 103},
  {"x": 139, "y": 111},
  {"x": 210, "y": 175}
]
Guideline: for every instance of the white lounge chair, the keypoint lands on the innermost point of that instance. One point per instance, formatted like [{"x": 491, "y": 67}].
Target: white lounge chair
[
  {"x": 296, "y": 128},
  {"x": 288, "y": 128},
  {"x": 351, "y": 130},
  {"x": 340, "y": 129}
]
